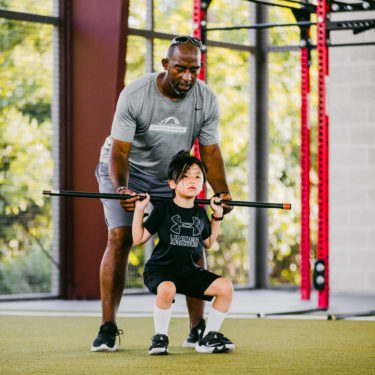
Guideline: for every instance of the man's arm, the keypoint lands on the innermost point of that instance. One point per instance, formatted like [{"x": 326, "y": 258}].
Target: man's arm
[
  {"x": 216, "y": 175},
  {"x": 118, "y": 165}
]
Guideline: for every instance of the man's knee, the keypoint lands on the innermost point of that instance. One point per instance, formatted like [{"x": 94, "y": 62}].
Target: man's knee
[{"x": 120, "y": 238}]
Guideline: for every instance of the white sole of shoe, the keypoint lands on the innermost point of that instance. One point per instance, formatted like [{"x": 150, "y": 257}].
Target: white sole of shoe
[
  {"x": 103, "y": 348},
  {"x": 158, "y": 351},
  {"x": 188, "y": 344},
  {"x": 227, "y": 348}
]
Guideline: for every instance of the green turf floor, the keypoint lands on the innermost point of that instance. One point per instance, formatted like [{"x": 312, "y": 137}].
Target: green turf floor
[{"x": 60, "y": 345}]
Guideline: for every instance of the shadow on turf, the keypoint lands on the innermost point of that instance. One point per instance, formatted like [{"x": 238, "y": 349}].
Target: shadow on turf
[{"x": 173, "y": 351}]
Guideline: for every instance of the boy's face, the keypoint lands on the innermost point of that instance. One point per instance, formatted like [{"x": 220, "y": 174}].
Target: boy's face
[{"x": 190, "y": 184}]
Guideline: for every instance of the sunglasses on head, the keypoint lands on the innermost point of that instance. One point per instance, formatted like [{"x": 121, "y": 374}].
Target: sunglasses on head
[{"x": 184, "y": 39}]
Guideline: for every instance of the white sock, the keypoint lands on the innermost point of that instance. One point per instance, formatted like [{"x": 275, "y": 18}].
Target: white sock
[
  {"x": 161, "y": 320},
  {"x": 214, "y": 320}
]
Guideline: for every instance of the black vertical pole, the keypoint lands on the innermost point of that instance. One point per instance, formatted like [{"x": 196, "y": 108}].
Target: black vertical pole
[
  {"x": 149, "y": 41},
  {"x": 258, "y": 149}
]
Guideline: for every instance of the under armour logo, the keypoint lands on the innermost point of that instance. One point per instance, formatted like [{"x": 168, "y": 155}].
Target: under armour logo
[{"x": 178, "y": 224}]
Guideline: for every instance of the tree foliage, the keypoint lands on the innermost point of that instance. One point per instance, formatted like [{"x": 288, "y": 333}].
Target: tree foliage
[{"x": 25, "y": 155}]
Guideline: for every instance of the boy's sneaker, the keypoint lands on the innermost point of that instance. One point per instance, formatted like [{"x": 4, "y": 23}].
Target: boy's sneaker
[
  {"x": 195, "y": 334},
  {"x": 214, "y": 342},
  {"x": 159, "y": 345},
  {"x": 106, "y": 339}
]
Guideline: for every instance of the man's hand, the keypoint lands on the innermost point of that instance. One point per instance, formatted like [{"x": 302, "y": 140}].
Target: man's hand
[
  {"x": 225, "y": 197},
  {"x": 128, "y": 204}
]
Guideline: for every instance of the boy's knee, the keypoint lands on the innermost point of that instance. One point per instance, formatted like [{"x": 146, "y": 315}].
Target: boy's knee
[
  {"x": 225, "y": 287},
  {"x": 167, "y": 290}
]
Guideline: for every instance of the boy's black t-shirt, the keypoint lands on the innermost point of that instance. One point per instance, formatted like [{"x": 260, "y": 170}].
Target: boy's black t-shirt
[{"x": 181, "y": 233}]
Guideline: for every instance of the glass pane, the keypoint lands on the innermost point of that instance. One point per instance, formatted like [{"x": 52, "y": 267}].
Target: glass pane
[
  {"x": 282, "y": 36},
  {"x": 137, "y": 14},
  {"x": 135, "y": 58},
  {"x": 284, "y": 166},
  {"x": 173, "y": 16},
  {"x": 229, "y": 13},
  {"x": 136, "y": 262},
  {"x": 26, "y": 165},
  {"x": 160, "y": 52},
  {"x": 228, "y": 76},
  {"x": 43, "y": 7}
]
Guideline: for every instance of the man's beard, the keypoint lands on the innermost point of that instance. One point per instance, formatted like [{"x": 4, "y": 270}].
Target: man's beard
[{"x": 176, "y": 90}]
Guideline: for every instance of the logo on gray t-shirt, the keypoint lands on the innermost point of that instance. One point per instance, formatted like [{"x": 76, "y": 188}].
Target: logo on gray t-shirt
[{"x": 168, "y": 125}]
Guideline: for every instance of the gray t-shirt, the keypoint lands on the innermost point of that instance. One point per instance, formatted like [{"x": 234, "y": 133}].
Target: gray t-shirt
[{"x": 159, "y": 127}]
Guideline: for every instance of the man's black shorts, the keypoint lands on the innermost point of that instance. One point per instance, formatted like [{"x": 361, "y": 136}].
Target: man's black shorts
[{"x": 192, "y": 283}]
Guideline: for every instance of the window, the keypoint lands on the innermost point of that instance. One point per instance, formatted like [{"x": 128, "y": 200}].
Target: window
[{"x": 28, "y": 144}]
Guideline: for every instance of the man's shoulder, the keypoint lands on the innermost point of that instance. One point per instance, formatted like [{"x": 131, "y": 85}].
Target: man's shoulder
[
  {"x": 139, "y": 84},
  {"x": 203, "y": 88},
  {"x": 206, "y": 96}
]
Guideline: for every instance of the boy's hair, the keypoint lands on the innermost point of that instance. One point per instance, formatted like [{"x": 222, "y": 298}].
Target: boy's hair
[{"x": 181, "y": 163}]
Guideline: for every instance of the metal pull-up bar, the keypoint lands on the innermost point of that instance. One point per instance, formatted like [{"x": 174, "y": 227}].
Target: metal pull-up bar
[
  {"x": 263, "y": 26},
  {"x": 84, "y": 194}
]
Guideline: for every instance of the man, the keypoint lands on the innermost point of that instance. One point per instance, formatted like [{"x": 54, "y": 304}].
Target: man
[{"x": 157, "y": 115}]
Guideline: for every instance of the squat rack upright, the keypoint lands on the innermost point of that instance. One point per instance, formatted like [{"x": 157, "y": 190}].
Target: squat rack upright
[{"x": 302, "y": 12}]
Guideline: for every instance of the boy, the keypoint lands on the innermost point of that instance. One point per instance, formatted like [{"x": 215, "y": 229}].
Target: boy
[{"x": 183, "y": 228}]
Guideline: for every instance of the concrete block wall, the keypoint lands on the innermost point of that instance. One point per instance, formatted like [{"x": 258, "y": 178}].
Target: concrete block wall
[{"x": 351, "y": 107}]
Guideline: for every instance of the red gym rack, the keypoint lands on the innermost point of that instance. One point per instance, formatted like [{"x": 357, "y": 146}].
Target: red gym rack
[
  {"x": 324, "y": 27},
  {"x": 323, "y": 150}
]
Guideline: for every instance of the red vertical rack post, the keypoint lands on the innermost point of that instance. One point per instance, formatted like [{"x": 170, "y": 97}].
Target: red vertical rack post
[
  {"x": 305, "y": 245},
  {"x": 199, "y": 17},
  {"x": 322, "y": 165}
]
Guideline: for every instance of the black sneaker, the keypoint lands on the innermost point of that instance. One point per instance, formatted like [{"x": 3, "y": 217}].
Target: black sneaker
[
  {"x": 106, "y": 339},
  {"x": 159, "y": 345},
  {"x": 214, "y": 342},
  {"x": 195, "y": 334}
]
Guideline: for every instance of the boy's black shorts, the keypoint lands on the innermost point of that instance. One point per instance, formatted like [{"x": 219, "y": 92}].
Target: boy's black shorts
[{"x": 192, "y": 283}]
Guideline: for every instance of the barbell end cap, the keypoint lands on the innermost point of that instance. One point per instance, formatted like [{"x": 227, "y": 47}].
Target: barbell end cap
[{"x": 51, "y": 192}]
